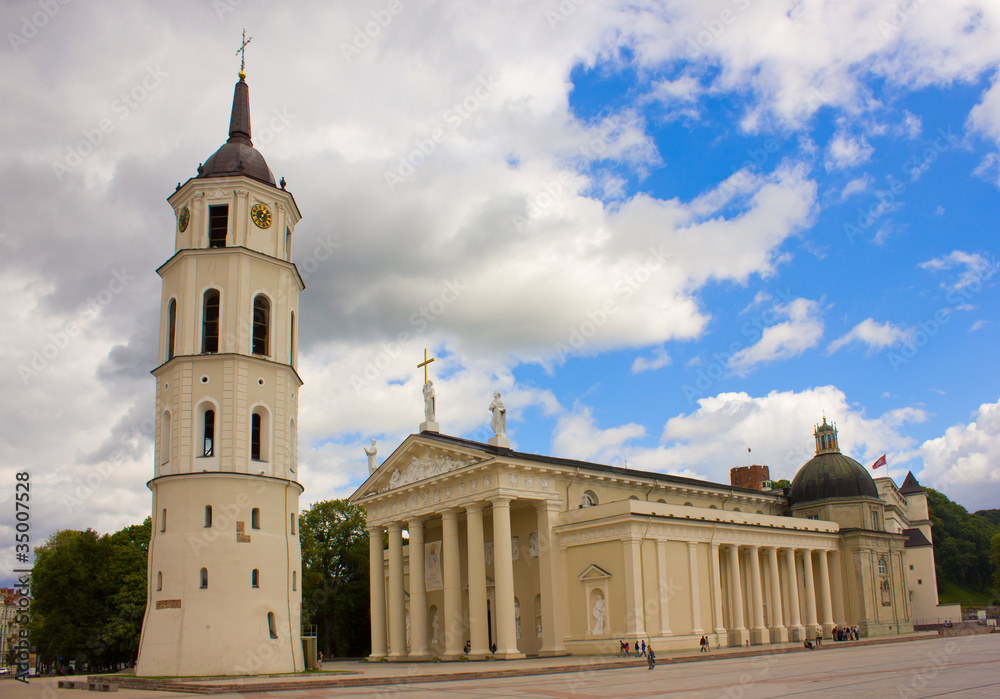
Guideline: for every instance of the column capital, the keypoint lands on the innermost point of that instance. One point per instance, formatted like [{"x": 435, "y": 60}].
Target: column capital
[
  {"x": 473, "y": 507},
  {"x": 416, "y": 519},
  {"x": 449, "y": 513},
  {"x": 374, "y": 529},
  {"x": 394, "y": 526},
  {"x": 500, "y": 501}
]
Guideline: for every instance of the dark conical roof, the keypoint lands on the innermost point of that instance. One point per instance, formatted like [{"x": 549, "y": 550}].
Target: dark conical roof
[{"x": 238, "y": 156}]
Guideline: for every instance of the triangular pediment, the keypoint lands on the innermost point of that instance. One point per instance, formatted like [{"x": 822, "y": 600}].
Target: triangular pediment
[
  {"x": 416, "y": 460},
  {"x": 594, "y": 572}
]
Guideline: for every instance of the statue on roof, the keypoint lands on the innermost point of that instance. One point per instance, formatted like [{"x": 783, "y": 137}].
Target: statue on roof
[
  {"x": 499, "y": 422},
  {"x": 372, "y": 460}
]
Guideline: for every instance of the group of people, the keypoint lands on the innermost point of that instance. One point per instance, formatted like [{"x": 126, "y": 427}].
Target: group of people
[
  {"x": 848, "y": 633},
  {"x": 641, "y": 649},
  {"x": 704, "y": 644}
]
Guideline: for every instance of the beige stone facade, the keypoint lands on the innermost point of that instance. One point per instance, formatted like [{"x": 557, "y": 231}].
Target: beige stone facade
[
  {"x": 224, "y": 558},
  {"x": 538, "y": 555}
]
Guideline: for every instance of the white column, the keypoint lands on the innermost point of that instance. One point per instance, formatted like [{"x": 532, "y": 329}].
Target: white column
[
  {"x": 418, "y": 592},
  {"x": 720, "y": 629},
  {"x": 452, "y": 575},
  {"x": 376, "y": 586},
  {"x": 503, "y": 569},
  {"x": 779, "y": 634},
  {"x": 796, "y": 632},
  {"x": 695, "y": 589},
  {"x": 552, "y": 643},
  {"x": 758, "y": 634},
  {"x": 738, "y": 630},
  {"x": 478, "y": 629},
  {"x": 397, "y": 620},
  {"x": 825, "y": 602},
  {"x": 635, "y": 626},
  {"x": 664, "y": 591},
  {"x": 807, "y": 564},
  {"x": 837, "y": 578}
]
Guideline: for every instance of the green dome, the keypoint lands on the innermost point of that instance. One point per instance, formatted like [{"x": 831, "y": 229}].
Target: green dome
[{"x": 831, "y": 475}]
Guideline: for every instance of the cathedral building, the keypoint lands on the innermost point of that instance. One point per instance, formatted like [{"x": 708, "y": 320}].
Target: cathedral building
[
  {"x": 224, "y": 557},
  {"x": 509, "y": 554}
]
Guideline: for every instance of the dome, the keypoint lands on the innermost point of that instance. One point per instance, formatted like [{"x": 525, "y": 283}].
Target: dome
[
  {"x": 831, "y": 475},
  {"x": 238, "y": 156}
]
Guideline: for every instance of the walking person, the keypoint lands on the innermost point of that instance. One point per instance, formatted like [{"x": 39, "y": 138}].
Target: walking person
[
  {"x": 650, "y": 657},
  {"x": 643, "y": 648}
]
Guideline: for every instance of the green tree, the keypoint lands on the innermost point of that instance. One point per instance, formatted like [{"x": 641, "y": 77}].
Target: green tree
[
  {"x": 335, "y": 577},
  {"x": 89, "y": 594},
  {"x": 962, "y": 543},
  {"x": 995, "y": 559}
]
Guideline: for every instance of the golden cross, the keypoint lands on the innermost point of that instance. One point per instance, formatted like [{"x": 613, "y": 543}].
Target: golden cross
[
  {"x": 243, "y": 49},
  {"x": 424, "y": 364}
]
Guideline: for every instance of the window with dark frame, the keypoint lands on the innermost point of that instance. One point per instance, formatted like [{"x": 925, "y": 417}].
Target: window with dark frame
[
  {"x": 261, "y": 324},
  {"x": 255, "y": 436},
  {"x": 209, "y": 433},
  {"x": 171, "y": 327},
  {"x": 218, "y": 225},
  {"x": 210, "y": 322}
]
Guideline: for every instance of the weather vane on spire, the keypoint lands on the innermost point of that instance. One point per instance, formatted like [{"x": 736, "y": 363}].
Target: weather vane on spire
[{"x": 242, "y": 51}]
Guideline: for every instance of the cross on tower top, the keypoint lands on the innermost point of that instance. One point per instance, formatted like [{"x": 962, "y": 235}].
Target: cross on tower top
[{"x": 243, "y": 53}]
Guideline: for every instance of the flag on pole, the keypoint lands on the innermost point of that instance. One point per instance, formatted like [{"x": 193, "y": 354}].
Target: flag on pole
[
  {"x": 879, "y": 462},
  {"x": 748, "y": 450}
]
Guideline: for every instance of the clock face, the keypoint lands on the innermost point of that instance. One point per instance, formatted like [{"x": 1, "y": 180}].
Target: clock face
[
  {"x": 261, "y": 215},
  {"x": 184, "y": 219}
]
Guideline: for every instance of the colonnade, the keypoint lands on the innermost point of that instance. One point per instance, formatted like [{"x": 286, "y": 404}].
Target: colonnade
[{"x": 388, "y": 616}]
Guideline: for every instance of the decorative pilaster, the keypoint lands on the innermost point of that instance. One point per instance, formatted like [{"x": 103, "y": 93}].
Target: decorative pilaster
[
  {"x": 738, "y": 631},
  {"x": 807, "y": 572},
  {"x": 718, "y": 624},
  {"x": 552, "y": 634},
  {"x": 664, "y": 597},
  {"x": 825, "y": 602},
  {"x": 376, "y": 585},
  {"x": 635, "y": 620},
  {"x": 695, "y": 589}
]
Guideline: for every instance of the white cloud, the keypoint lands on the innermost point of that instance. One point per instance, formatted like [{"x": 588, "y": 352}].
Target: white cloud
[
  {"x": 659, "y": 360},
  {"x": 964, "y": 462},
  {"x": 975, "y": 268},
  {"x": 876, "y": 336},
  {"x": 978, "y": 325},
  {"x": 784, "y": 340},
  {"x": 577, "y": 437},
  {"x": 859, "y": 184},
  {"x": 847, "y": 151}
]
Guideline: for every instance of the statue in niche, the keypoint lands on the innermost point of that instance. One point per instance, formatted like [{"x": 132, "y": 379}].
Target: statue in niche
[
  {"x": 599, "y": 612},
  {"x": 515, "y": 548},
  {"x": 538, "y": 623},
  {"x": 533, "y": 545},
  {"x": 372, "y": 460},
  {"x": 436, "y": 627},
  {"x": 408, "y": 626},
  {"x": 429, "y": 401},
  {"x": 499, "y": 422},
  {"x": 517, "y": 619}
]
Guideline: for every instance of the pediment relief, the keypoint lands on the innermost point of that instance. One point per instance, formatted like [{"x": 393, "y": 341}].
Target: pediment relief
[
  {"x": 594, "y": 572},
  {"x": 413, "y": 462}
]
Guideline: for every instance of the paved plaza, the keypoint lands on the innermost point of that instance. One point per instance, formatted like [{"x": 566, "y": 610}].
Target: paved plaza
[{"x": 966, "y": 666}]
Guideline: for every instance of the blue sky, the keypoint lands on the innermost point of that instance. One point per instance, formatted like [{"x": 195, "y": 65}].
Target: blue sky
[{"x": 665, "y": 231}]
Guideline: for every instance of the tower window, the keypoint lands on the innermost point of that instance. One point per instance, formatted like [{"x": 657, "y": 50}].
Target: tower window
[
  {"x": 255, "y": 518},
  {"x": 271, "y": 626},
  {"x": 261, "y": 323},
  {"x": 204, "y": 578},
  {"x": 210, "y": 322},
  {"x": 291, "y": 518},
  {"x": 159, "y": 580},
  {"x": 875, "y": 519},
  {"x": 255, "y": 436},
  {"x": 165, "y": 426},
  {"x": 209, "y": 429},
  {"x": 218, "y": 225},
  {"x": 291, "y": 340},
  {"x": 255, "y": 578},
  {"x": 208, "y": 516},
  {"x": 288, "y": 243},
  {"x": 163, "y": 520},
  {"x": 295, "y": 580},
  {"x": 171, "y": 327}
]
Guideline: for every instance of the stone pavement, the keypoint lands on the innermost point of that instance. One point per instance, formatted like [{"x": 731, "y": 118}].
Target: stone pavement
[{"x": 932, "y": 666}]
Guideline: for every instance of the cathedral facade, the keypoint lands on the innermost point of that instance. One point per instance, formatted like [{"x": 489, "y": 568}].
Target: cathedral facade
[{"x": 510, "y": 554}]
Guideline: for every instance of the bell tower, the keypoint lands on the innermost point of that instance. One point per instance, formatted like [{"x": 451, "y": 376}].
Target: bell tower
[{"x": 224, "y": 558}]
